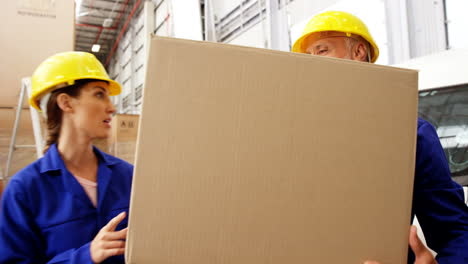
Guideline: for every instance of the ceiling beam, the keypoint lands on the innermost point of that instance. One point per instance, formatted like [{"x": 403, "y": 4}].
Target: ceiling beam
[
  {"x": 94, "y": 31},
  {"x": 93, "y": 37},
  {"x": 88, "y": 45},
  {"x": 116, "y": 10},
  {"x": 83, "y": 17}
]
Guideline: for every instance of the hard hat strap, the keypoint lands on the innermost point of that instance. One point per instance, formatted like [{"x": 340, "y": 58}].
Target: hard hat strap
[
  {"x": 45, "y": 98},
  {"x": 43, "y": 104},
  {"x": 369, "y": 56}
]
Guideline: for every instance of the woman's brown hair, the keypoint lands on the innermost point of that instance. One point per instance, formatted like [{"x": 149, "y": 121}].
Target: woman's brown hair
[{"x": 54, "y": 113}]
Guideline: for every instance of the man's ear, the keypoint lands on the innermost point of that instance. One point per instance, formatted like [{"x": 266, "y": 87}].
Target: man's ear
[
  {"x": 360, "y": 52},
  {"x": 64, "y": 102}
]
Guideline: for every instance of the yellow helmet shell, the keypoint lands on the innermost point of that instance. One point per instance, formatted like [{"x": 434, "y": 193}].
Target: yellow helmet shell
[
  {"x": 336, "y": 21},
  {"x": 63, "y": 69}
]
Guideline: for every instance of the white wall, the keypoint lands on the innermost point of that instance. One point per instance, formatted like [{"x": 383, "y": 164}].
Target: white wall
[
  {"x": 426, "y": 28},
  {"x": 300, "y": 11},
  {"x": 457, "y": 23},
  {"x": 128, "y": 66},
  {"x": 162, "y": 19},
  {"x": 187, "y": 19},
  {"x": 442, "y": 69},
  {"x": 223, "y": 7},
  {"x": 254, "y": 37},
  {"x": 297, "y": 11}
]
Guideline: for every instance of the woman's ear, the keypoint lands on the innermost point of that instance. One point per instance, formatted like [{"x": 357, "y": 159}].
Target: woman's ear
[
  {"x": 360, "y": 51},
  {"x": 64, "y": 102}
]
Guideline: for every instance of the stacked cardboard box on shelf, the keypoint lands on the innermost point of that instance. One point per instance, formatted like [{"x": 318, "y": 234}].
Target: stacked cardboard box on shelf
[
  {"x": 122, "y": 142},
  {"x": 35, "y": 30},
  {"x": 48, "y": 25}
]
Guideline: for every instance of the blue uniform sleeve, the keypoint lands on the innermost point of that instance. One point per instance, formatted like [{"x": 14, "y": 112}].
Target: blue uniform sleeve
[
  {"x": 438, "y": 201},
  {"x": 20, "y": 237}
]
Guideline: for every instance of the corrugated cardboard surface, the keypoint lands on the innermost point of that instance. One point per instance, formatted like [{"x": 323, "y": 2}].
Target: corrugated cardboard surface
[
  {"x": 125, "y": 150},
  {"x": 253, "y": 156},
  {"x": 31, "y": 32}
]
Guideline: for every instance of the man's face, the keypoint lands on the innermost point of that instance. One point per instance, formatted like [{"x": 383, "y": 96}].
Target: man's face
[{"x": 329, "y": 47}]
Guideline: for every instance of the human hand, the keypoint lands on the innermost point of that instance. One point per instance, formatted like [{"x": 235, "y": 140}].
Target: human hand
[
  {"x": 109, "y": 242},
  {"x": 422, "y": 254}
]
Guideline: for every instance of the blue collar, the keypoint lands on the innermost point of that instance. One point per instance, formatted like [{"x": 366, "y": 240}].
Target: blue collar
[{"x": 52, "y": 161}]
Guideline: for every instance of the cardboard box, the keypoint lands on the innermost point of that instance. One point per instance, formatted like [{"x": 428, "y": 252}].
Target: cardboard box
[
  {"x": 122, "y": 142},
  {"x": 35, "y": 30},
  {"x": 255, "y": 156},
  {"x": 125, "y": 127}
]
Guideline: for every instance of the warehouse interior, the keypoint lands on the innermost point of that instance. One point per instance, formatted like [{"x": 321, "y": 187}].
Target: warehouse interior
[{"x": 428, "y": 36}]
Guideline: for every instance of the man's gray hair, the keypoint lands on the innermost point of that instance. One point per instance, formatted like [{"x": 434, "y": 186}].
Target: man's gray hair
[{"x": 351, "y": 42}]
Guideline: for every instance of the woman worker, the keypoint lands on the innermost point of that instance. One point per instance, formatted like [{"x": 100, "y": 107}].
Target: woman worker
[{"x": 69, "y": 206}]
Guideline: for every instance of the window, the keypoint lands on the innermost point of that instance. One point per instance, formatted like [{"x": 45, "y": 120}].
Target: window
[
  {"x": 447, "y": 110},
  {"x": 457, "y": 22}
]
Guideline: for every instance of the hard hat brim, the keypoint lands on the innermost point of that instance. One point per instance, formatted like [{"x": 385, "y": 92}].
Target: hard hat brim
[
  {"x": 298, "y": 45},
  {"x": 114, "y": 89}
]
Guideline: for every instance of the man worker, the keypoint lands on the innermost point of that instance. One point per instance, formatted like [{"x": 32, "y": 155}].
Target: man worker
[{"x": 438, "y": 202}]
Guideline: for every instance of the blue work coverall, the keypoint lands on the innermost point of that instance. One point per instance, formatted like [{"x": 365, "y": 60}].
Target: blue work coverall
[
  {"x": 46, "y": 216},
  {"x": 438, "y": 200}
]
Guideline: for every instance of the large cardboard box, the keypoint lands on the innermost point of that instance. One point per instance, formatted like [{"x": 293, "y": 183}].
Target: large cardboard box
[
  {"x": 32, "y": 31},
  {"x": 122, "y": 142},
  {"x": 254, "y": 156},
  {"x": 124, "y": 136}
]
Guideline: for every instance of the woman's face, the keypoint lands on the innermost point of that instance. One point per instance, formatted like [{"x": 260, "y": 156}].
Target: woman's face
[{"x": 93, "y": 110}]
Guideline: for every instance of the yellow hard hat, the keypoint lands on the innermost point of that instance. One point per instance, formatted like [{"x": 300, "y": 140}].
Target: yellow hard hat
[
  {"x": 63, "y": 69},
  {"x": 337, "y": 21}
]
